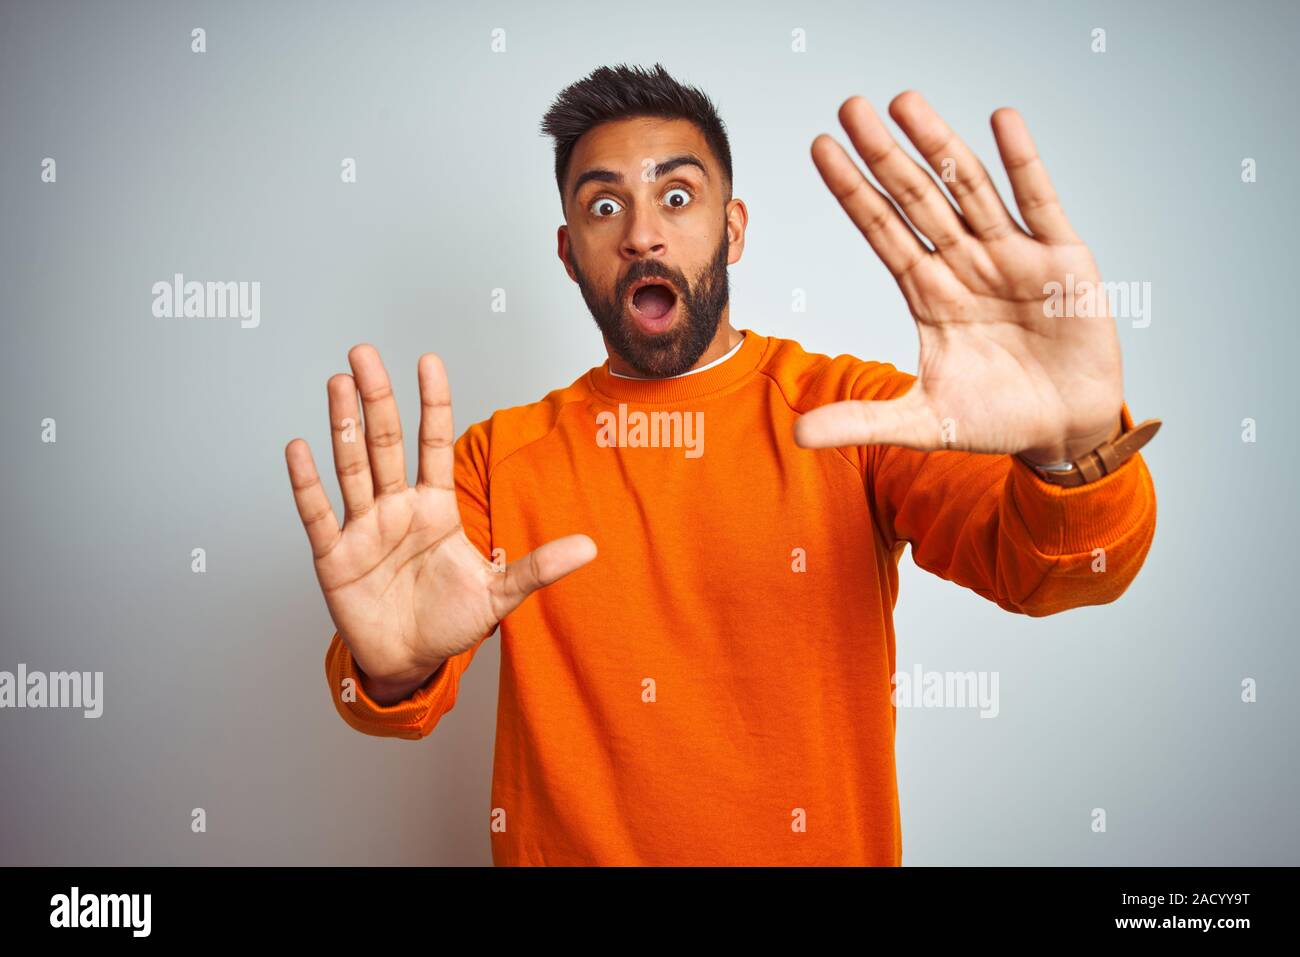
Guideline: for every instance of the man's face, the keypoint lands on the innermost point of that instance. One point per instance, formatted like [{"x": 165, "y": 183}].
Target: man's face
[{"x": 665, "y": 226}]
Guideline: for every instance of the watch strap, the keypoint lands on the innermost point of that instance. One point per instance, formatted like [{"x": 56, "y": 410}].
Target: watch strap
[{"x": 1102, "y": 460}]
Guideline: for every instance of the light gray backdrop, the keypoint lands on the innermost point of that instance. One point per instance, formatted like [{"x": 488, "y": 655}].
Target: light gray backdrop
[{"x": 170, "y": 433}]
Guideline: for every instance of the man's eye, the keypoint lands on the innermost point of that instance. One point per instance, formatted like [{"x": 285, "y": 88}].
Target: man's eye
[
  {"x": 683, "y": 201},
  {"x": 603, "y": 204}
]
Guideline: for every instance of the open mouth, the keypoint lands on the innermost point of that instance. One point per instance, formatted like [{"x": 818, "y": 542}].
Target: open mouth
[{"x": 653, "y": 304}]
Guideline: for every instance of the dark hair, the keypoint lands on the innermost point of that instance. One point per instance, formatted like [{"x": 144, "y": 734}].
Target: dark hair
[{"x": 623, "y": 92}]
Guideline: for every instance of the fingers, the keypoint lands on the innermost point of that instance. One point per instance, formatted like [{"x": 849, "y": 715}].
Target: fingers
[
  {"x": 903, "y": 178},
  {"x": 383, "y": 425},
  {"x": 1035, "y": 197},
  {"x": 351, "y": 463},
  {"x": 540, "y": 567},
  {"x": 905, "y": 421},
  {"x": 437, "y": 465},
  {"x": 968, "y": 180},
  {"x": 892, "y": 239},
  {"x": 309, "y": 495}
]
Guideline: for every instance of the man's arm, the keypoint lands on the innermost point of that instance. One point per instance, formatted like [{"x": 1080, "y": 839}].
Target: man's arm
[
  {"x": 987, "y": 522},
  {"x": 1008, "y": 367},
  {"x": 411, "y": 706}
]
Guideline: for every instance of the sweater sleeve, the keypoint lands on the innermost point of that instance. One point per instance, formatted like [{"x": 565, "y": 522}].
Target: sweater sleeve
[
  {"x": 989, "y": 523},
  {"x": 415, "y": 716}
]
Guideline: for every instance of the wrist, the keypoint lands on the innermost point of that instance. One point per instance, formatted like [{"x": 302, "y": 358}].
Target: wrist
[
  {"x": 1102, "y": 460},
  {"x": 389, "y": 690},
  {"x": 1066, "y": 452}
]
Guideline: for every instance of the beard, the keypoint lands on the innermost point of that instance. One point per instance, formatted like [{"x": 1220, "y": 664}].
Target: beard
[{"x": 674, "y": 351}]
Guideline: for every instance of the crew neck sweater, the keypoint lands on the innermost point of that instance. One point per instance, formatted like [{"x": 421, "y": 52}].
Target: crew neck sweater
[{"x": 714, "y": 687}]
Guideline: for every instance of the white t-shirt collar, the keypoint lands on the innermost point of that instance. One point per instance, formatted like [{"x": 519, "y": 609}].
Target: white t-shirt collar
[{"x": 715, "y": 362}]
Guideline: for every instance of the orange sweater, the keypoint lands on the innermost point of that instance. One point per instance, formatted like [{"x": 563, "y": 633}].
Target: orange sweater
[{"x": 715, "y": 686}]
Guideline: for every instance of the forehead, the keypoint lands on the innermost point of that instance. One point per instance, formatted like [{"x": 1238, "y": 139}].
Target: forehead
[{"x": 624, "y": 145}]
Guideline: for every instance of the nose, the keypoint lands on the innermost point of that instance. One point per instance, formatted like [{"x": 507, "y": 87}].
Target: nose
[{"x": 644, "y": 238}]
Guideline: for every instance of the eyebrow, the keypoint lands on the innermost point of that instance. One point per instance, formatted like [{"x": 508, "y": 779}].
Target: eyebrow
[{"x": 610, "y": 176}]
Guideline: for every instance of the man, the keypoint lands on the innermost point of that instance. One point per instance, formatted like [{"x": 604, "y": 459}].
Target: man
[{"x": 715, "y": 686}]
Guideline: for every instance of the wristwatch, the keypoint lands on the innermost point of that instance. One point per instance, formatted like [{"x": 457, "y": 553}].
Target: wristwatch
[{"x": 1101, "y": 461}]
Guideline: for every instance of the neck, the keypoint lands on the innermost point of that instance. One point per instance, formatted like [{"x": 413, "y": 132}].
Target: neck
[{"x": 724, "y": 340}]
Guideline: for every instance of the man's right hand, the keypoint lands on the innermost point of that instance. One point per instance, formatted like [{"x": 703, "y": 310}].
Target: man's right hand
[{"x": 405, "y": 587}]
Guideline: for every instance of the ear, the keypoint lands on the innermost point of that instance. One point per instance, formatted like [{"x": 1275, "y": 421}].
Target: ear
[
  {"x": 737, "y": 221},
  {"x": 562, "y": 250}
]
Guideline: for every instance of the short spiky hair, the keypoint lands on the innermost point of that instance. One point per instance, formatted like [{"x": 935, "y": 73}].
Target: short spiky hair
[{"x": 623, "y": 92}]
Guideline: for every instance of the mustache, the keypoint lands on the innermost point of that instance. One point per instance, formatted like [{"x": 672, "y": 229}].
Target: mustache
[{"x": 651, "y": 270}]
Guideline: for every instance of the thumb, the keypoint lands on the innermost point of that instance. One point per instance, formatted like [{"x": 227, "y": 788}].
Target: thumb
[
  {"x": 908, "y": 421},
  {"x": 540, "y": 567}
]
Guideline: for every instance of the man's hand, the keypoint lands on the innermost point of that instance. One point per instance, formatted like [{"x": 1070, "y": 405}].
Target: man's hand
[
  {"x": 998, "y": 371},
  {"x": 406, "y": 588}
]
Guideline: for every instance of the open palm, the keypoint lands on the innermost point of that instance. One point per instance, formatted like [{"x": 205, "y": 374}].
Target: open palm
[
  {"x": 404, "y": 585},
  {"x": 999, "y": 369}
]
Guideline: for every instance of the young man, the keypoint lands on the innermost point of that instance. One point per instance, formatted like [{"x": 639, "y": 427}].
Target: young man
[{"x": 714, "y": 687}]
